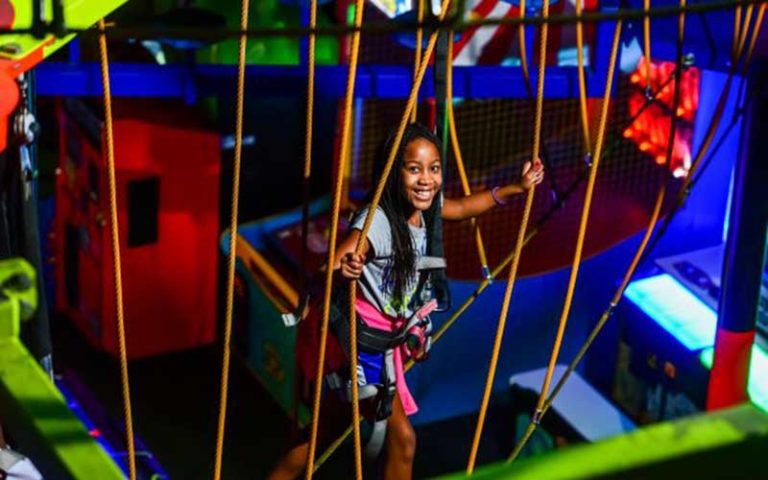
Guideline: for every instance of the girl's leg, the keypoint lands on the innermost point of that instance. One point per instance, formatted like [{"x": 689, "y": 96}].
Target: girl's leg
[
  {"x": 292, "y": 464},
  {"x": 400, "y": 444}
]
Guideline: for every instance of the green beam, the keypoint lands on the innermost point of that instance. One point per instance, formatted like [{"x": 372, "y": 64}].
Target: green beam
[
  {"x": 726, "y": 444},
  {"x": 33, "y": 411},
  {"x": 77, "y": 14}
]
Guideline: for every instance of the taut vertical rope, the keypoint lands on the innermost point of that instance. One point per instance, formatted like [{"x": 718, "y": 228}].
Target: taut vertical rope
[
  {"x": 582, "y": 81},
  {"x": 417, "y": 55},
  {"x": 580, "y": 241},
  {"x": 457, "y": 154},
  {"x": 115, "y": 237},
  {"x": 518, "y": 245},
  {"x": 232, "y": 239}
]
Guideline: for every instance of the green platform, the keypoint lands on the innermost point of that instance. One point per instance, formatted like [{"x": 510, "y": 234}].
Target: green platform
[{"x": 730, "y": 444}]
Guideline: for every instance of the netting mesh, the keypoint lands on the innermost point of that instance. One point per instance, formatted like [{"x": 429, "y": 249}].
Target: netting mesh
[{"x": 496, "y": 138}]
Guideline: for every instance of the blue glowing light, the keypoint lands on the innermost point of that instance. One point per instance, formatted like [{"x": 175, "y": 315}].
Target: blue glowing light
[{"x": 675, "y": 308}]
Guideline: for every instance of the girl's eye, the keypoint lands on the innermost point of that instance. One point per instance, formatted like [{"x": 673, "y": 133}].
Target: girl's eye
[
  {"x": 413, "y": 169},
  {"x": 435, "y": 168}
]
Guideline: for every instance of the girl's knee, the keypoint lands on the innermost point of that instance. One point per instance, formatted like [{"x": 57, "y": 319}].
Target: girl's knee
[{"x": 404, "y": 441}]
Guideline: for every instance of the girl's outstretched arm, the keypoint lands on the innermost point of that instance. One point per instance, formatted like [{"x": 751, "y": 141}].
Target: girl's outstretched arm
[{"x": 479, "y": 203}]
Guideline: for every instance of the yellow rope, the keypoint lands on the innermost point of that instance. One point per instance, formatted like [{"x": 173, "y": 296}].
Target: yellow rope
[
  {"x": 117, "y": 270},
  {"x": 736, "y": 31},
  {"x": 438, "y": 335},
  {"x": 633, "y": 264},
  {"x": 582, "y": 235},
  {"x": 338, "y": 193},
  {"x": 518, "y": 244},
  {"x": 720, "y": 108},
  {"x": 522, "y": 46},
  {"x": 753, "y": 40},
  {"x": 646, "y": 43},
  {"x": 457, "y": 153},
  {"x": 417, "y": 58},
  {"x": 635, "y": 261},
  {"x": 582, "y": 81},
  {"x": 232, "y": 242},
  {"x": 745, "y": 28},
  {"x": 310, "y": 90},
  {"x": 369, "y": 220},
  {"x": 332, "y": 243},
  {"x": 476, "y": 294}
]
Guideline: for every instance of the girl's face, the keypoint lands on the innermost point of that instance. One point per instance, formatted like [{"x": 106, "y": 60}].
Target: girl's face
[{"x": 422, "y": 175}]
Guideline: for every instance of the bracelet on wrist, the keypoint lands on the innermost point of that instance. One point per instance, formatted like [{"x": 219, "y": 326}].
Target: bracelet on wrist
[{"x": 495, "y": 194}]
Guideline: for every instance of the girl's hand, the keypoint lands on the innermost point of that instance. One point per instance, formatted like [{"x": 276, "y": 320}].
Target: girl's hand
[
  {"x": 352, "y": 266},
  {"x": 531, "y": 175}
]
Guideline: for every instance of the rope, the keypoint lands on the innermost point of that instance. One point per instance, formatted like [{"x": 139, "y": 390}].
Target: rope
[
  {"x": 523, "y": 48},
  {"x": 337, "y": 197},
  {"x": 713, "y": 126},
  {"x": 582, "y": 81},
  {"x": 647, "y": 44},
  {"x": 305, "y": 231},
  {"x": 457, "y": 154},
  {"x": 736, "y": 30},
  {"x": 419, "y": 46},
  {"x": 308, "y": 145},
  {"x": 115, "y": 234},
  {"x": 636, "y": 260},
  {"x": 580, "y": 241},
  {"x": 518, "y": 245},
  {"x": 232, "y": 240},
  {"x": 369, "y": 220},
  {"x": 486, "y": 282}
]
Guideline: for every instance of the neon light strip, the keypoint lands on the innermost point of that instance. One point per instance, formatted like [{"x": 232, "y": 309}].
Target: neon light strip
[
  {"x": 693, "y": 323},
  {"x": 675, "y": 308}
]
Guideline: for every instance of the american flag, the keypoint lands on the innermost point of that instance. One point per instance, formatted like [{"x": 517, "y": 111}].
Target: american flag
[{"x": 497, "y": 44}]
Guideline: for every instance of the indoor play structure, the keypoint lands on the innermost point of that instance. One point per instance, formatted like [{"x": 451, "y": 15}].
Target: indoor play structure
[{"x": 609, "y": 323}]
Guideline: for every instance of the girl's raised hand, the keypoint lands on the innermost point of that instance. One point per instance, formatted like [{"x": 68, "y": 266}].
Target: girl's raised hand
[
  {"x": 352, "y": 266},
  {"x": 531, "y": 175}
]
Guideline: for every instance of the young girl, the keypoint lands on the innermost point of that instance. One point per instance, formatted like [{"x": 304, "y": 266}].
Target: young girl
[{"x": 387, "y": 277}]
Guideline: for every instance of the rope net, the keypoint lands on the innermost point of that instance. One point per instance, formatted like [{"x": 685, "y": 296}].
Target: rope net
[{"x": 494, "y": 135}]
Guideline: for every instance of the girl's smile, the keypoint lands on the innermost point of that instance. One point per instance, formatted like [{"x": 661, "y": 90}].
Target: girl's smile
[{"x": 422, "y": 176}]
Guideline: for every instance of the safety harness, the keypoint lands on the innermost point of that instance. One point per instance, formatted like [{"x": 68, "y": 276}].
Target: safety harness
[
  {"x": 431, "y": 294},
  {"x": 415, "y": 334}
]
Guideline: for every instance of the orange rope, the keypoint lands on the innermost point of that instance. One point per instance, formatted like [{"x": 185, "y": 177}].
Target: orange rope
[
  {"x": 646, "y": 43},
  {"x": 518, "y": 244},
  {"x": 736, "y": 32},
  {"x": 636, "y": 260},
  {"x": 364, "y": 234},
  {"x": 745, "y": 28},
  {"x": 720, "y": 108},
  {"x": 115, "y": 234},
  {"x": 457, "y": 153},
  {"x": 345, "y": 147},
  {"x": 753, "y": 40},
  {"x": 582, "y": 81},
  {"x": 332, "y": 243},
  {"x": 522, "y": 46},
  {"x": 580, "y": 240},
  {"x": 419, "y": 47},
  {"x": 232, "y": 240}
]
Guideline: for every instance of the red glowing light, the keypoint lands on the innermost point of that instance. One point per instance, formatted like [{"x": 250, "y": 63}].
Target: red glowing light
[{"x": 650, "y": 131}]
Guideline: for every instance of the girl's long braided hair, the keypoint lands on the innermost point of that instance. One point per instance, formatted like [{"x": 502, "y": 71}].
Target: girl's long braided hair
[{"x": 395, "y": 205}]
